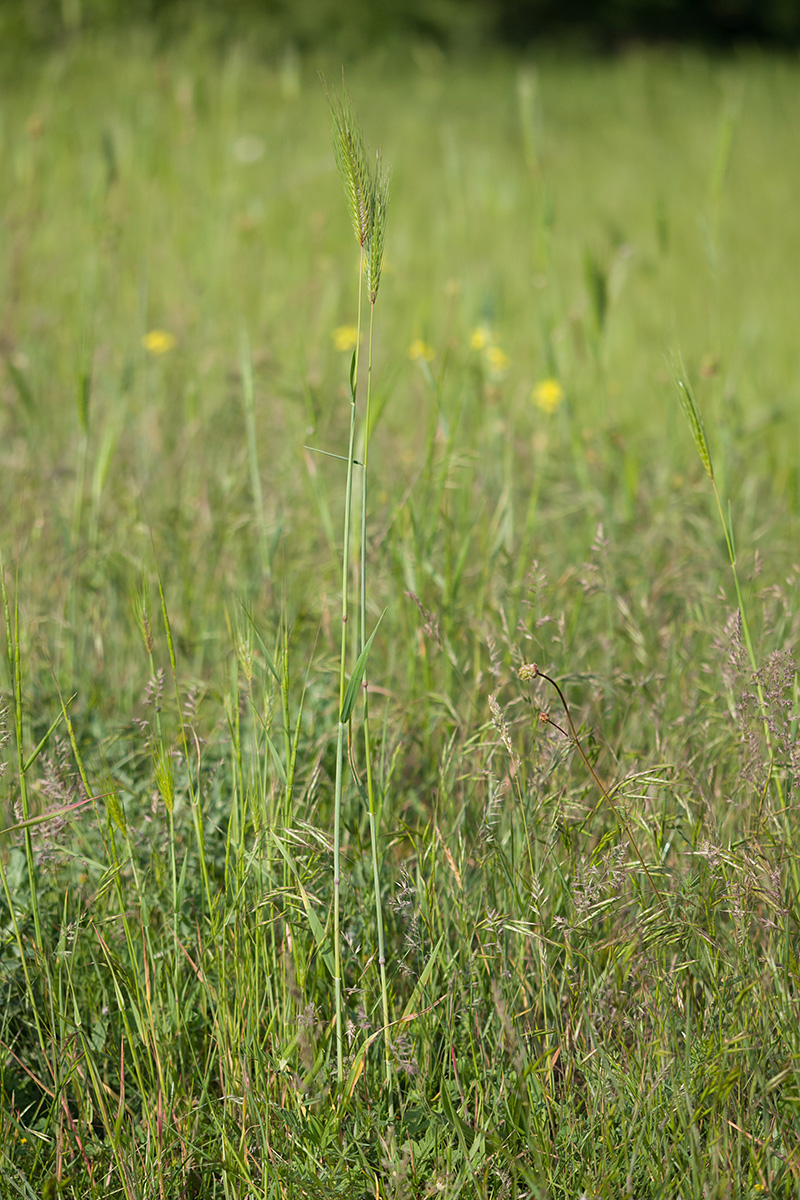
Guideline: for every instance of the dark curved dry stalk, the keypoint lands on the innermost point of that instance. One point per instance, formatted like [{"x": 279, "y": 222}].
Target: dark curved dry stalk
[{"x": 530, "y": 671}]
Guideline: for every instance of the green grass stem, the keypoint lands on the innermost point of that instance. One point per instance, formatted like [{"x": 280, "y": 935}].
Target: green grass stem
[
  {"x": 248, "y": 402},
  {"x": 372, "y": 804}
]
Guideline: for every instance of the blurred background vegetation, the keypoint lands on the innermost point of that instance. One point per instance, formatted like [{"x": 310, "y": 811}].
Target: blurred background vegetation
[{"x": 355, "y": 26}]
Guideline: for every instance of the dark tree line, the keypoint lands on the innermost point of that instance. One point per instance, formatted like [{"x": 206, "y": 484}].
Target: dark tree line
[
  {"x": 717, "y": 22},
  {"x": 356, "y": 25}
]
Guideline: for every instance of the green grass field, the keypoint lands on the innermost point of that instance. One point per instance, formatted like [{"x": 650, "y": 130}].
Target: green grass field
[{"x": 590, "y": 916}]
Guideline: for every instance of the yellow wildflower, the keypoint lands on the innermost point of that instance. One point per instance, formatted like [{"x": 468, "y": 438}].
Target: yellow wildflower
[
  {"x": 158, "y": 341},
  {"x": 421, "y": 350},
  {"x": 547, "y": 395},
  {"x": 481, "y": 337},
  {"x": 497, "y": 359},
  {"x": 345, "y": 337}
]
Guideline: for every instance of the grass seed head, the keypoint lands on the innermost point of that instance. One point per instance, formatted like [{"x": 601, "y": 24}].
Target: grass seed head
[
  {"x": 377, "y": 233},
  {"x": 351, "y": 159},
  {"x": 690, "y": 408},
  {"x": 366, "y": 188}
]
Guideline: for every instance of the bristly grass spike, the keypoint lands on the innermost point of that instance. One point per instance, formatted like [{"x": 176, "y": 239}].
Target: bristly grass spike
[{"x": 351, "y": 159}]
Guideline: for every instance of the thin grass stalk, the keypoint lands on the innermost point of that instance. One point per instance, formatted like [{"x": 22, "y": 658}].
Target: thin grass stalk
[
  {"x": 371, "y": 805},
  {"x": 342, "y": 725},
  {"x": 248, "y": 402},
  {"x": 83, "y": 397},
  {"x": 194, "y": 797},
  {"x": 293, "y": 743},
  {"x": 72, "y": 651},
  {"x": 123, "y": 905},
  {"x": 15, "y": 671},
  {"x": 165, "y": 782},
  {"x": 173, "y": 877},
  {"x": 97, "y": 1086},
  {"x": 23, "y": 957},
  {"x": 751, "y": 654},
  {"x": 289, "y": 742},
  {"x": 116, "y": 813},
  {"x": 162, "y": 763},
  {"x": 236, "y": 825},
  {"x": 135, "y": 1039},
  {"x": 359, "y": 185}
]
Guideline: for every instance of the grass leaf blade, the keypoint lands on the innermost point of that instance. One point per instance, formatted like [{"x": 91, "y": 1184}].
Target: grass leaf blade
[{"x": 351, "y": 694}]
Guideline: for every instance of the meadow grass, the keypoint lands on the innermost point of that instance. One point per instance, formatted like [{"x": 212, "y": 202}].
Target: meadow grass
[{"x": 567, "y": 951}]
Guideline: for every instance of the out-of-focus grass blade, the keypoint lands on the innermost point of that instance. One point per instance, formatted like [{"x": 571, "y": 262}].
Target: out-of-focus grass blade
[{"x": 267, "y": 656}]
